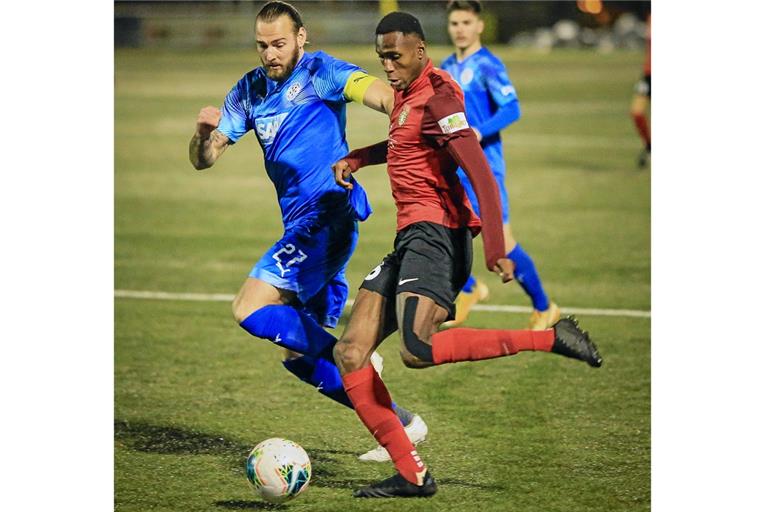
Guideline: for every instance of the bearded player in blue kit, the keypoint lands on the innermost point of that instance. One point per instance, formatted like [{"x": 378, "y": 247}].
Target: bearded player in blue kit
[
  {"x": 491, "y": 105},
  {"x": 296, "y": 105}
]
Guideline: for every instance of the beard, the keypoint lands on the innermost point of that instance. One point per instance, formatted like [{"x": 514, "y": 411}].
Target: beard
[{"x": 280, "y": 75}]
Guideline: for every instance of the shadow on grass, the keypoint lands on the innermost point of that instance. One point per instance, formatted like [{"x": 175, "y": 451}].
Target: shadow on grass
[
  {"x": 143, "y": 437},
  {"x": 248, "y": 505},
  {"x": 167, "y": 440}
]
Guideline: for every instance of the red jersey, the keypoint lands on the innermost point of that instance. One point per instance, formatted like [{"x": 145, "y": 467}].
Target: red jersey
[
  {"x": 422, "y": 172},
  {"x": 429, "y": 137}
]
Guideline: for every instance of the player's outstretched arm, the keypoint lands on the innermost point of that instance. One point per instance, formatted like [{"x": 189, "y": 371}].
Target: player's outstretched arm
[
  {"x": 466, "y": 151},
  {"x": 445, "y": 122},
  {"x": 504, "y": 116},
  {"x": 380, "y": 96},
  {"x": 369, "y": 155},
  {"x": 207, "y": 143},
  {"x": 370, "y": 91}
]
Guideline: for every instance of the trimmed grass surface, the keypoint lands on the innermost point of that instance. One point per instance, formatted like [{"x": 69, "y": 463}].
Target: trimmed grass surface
[{"x": 193, "y": 392}]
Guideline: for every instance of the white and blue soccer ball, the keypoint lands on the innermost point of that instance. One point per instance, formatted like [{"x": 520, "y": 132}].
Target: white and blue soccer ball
[{"x": 278, "y": 469}]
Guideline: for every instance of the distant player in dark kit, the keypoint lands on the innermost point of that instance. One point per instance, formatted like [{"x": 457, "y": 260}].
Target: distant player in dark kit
[
  {"x": 295, "y": 103},
  {"x": 491, "y": 105},
  {"x": 413, "y": 289}
]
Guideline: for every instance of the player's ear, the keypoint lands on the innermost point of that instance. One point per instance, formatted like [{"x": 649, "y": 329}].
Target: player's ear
[
  {"x": 480, "y": 27},
  {"x": 301, "y": 37}
]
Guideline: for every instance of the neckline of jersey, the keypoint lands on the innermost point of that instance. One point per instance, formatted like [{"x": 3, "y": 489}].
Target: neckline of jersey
[
  {"x": 468, "y": 57},
  {"x": 421, "y": 80}
]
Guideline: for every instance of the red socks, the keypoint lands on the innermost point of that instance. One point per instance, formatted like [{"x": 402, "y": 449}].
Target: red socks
[
  {"x": 454, "y": 345},
  {"x": 373, "y": 405},
  {"x": 642, "y": 128}
]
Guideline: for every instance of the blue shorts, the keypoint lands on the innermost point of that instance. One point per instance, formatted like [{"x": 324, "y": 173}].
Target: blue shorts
[
  {"x": 310, "y": 260},
  {"x": 496, "y": 160}
]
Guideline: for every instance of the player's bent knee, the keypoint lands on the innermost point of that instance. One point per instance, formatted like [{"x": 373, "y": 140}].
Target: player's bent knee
[
  {"x": 347, "y": 356},
  {"x": 240, "y": 311}
]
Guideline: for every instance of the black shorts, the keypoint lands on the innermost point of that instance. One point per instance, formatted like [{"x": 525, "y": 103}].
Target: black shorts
[
  {"x": 430, "y": 260},
  {"x": 643, "y": 86}
]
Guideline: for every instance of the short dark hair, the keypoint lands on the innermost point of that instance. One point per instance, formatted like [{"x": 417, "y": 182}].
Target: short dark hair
[
  {"x": 465, "y": 5},
  {"x": 399, "y": 21},
  {"x": 273, "y": 10}
]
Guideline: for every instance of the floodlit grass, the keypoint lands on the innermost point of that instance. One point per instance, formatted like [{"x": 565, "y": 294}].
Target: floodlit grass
[{"x": 193, "y": 392}]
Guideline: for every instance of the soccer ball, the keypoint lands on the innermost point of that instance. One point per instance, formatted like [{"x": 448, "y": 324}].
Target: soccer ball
[{"x": 278, "y": 469}]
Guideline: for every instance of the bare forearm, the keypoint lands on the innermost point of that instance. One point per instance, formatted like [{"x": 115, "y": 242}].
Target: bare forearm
[{"x": 204, "y": 149}]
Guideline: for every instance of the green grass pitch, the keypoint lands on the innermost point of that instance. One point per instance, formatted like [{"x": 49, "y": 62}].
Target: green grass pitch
[{"x": 534, "y": 432}]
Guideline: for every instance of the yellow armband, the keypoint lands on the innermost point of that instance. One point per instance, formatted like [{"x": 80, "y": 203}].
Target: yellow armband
[{"x": 357, "y": 84}]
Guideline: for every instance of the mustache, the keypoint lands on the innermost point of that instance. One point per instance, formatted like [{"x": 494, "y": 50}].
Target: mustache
[{"x": 288, "y": 67}]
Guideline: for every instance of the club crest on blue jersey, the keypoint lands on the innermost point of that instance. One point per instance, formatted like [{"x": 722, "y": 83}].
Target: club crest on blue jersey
[
  {"x": 293, "y": 90},
  {"x": 466, "y": 76}
]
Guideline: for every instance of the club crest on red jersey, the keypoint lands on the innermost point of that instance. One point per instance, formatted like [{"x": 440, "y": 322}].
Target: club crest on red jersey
[{"x": 403, "y": 115}]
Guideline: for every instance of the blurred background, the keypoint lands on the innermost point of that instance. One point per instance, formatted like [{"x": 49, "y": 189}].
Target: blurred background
[{"x": 539, "y": 24}]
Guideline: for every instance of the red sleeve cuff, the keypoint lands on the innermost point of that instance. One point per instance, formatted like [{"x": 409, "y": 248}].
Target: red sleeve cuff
[{"x": 369, "y": 155}]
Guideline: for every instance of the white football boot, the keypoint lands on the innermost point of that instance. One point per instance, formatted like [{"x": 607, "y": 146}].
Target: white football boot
[
  {"x": 416, "y": 429},
  {"x": 417, "y": 433}
]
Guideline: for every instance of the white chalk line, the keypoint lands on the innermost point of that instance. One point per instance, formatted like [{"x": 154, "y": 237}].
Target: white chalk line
[{"x": 491, "y": 308}]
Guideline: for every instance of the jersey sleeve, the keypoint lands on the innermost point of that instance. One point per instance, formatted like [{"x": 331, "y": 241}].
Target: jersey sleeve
[
  {"x": 234, "y": 117},
  {"x": 504, "y": 96},
  {"x": 444, "y": 119},
  {"x": 499, "y": 85},
  {"x": 357, "y": 84},
  {"x": 331, "y": 79},
  {"x": 446, "y": 124}
]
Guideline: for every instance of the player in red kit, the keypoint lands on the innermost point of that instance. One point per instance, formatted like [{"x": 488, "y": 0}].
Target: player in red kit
[
  {"x": 413, "y": 289},
  {"x": 641, "y": 100}
]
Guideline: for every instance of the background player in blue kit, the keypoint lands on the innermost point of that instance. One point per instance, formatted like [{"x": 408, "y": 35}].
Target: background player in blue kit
[
  {"x": 491, "y": 105},
  {"x": 296, "y": 105}
]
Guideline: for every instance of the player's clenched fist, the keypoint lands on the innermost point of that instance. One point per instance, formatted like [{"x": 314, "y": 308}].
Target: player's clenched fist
[
  {"x": 342, "y": 171},
  {"x": 505, "y": 268},
  {"x": 208, "y": 119}
]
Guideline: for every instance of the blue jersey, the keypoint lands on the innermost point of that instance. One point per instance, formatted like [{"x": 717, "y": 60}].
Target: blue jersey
[
  {"x": 299, "y": 124},
  {"x": 487, "y": 88}
]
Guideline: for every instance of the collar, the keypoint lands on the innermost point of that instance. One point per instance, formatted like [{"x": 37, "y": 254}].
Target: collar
[{"x": 468, "y": 57}]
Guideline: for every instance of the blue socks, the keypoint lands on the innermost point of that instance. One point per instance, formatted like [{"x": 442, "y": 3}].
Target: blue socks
[
  {"x": 291, "y": 329},
  {"x": 526, "y": 274},
  {"x": 297, "y": 331},
  {"x": 321, "y": 374}
]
